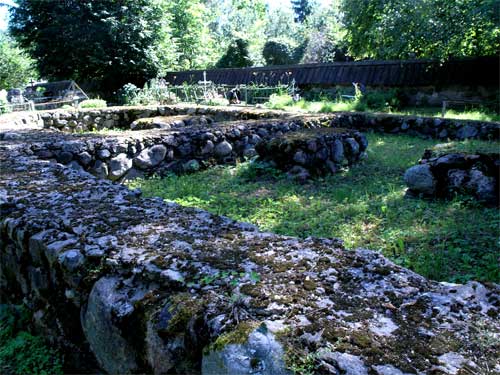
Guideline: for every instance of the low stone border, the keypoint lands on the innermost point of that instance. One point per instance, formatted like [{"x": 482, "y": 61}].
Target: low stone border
[
  {"x": 314, "y": 152},
  {"x": 123, "y": 117},
  {"x": 427, "y": 127},
  {"x": 129, "y": 155},
  {"x": 448, "y": 174}
]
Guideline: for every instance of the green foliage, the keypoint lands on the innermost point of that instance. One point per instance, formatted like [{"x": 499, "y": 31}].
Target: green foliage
[
  {"x": 279, "y": 52},
  {"x": 16, "y": 67},
  {"x": 390, "y": 101},
  {"x": 365, "y": 206},
  {"x": 240, "y": 19},
  {"x": 302, "y": 9},
  {"x": 107, "y": 43},
  {"x": 194, "y": 44},
  {"x": 323, "y": 36},
  {"x": 20, "y": 352},
  {"x": 154, "y": 92},
  {"x": 236, "y": 55},
  {"x": 400, "y": 29},
  {"x": 3, "y": 101},
  {"x": 277, "y": 101},
  {"x": 93, "y": 103}
]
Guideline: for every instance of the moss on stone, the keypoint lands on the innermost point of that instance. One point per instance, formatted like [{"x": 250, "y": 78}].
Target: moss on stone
[{"x": 238, "y": 335}]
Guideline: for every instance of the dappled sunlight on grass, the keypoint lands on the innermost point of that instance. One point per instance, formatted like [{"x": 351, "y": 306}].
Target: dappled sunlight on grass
[{"x": 365, "y": 206}]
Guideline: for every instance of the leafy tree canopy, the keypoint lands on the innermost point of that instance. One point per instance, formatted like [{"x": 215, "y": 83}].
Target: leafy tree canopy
[
  {"x": 302, "y": 8},
  {"x": 108, "y": 43},
  {"x": 236, "y": 55},
  {"x": 16, "y": 67},
  {"x": 401, "y": 29},
  {"x": 280, "y": 52}
]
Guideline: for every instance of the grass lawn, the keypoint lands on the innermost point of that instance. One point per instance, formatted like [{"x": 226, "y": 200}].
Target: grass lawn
[{"x": 365, "y": 206}]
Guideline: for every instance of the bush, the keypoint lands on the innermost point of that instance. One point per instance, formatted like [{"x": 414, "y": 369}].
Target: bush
[
  {"x": 154, "y": 92},
  {"x": 279, "y": 101},
  {"x": 93, "y": 103},
  {"x": 278, "y": 52},
  {"x": 236, "y": 56},
  {"x": 387, "y": 100},
  {"x": 21, "y": 352}
]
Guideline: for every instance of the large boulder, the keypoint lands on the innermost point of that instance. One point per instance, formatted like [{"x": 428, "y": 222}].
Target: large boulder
[
  {"x": 420, "y": 179},
  {"x": 222, "y": 149},
  {"x": 118, "y": 166},
  {"x": 150, "y": 157},
  {"x": 105, "y": 307}
]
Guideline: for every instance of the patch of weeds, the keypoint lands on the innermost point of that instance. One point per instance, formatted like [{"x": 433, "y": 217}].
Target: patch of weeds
[
  {"x": 365, "y": 206},
  {"x": 20, "y": 352},
  {"x": 231, "y": 278},
  {"x": 302, "y": 363}
]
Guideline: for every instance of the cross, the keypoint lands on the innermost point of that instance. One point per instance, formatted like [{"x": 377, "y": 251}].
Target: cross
[{"x": 205, "y": 83}]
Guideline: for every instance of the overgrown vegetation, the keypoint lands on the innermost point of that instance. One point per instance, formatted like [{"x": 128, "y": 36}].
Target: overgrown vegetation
[
  {"x": 365, "y": 206},
  {"x": 93, "y": 103},
  {"x": 20, "y": 352},
  {"x": 382, "y": 101}
]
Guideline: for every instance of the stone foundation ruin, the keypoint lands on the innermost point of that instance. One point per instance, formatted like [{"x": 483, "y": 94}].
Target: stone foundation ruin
[
  {"x": 128, "y": 284},
  {"x": 445, "y": 175},
  {"x": 314, "y": 152}
]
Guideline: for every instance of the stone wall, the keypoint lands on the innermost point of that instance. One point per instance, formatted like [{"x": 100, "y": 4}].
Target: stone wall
[
  {"x": 128, "y": 155},
  {"x": 123, "y": 117},
  {"x": 314, "y": 152},
  {"x": 147, "y": 286},
  {"x": 446, "y": 175},
  {"x": 427, "y": 127}
]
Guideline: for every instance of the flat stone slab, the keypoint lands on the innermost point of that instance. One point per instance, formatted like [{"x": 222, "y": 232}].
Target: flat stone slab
[{"x": 149, "y": 286}]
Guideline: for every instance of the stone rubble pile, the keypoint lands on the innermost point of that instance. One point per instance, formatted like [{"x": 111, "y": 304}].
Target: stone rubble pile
[{"x": 445, "y": 175}]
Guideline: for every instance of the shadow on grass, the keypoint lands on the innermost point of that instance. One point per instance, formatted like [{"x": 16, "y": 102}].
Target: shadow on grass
[{"x": 365, "y": 206}]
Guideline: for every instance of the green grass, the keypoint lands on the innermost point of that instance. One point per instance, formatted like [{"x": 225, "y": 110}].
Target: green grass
[
  {"x": 365, "y": 206},
  {"x": 20, "y": 352},
  {"x": 285, "y": 102}
]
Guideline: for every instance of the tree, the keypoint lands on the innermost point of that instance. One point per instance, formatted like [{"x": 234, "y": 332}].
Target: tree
[
  {"x": 236, "y": 55},
  {"x": 16, "y": 67},
  {"x": 302, "y": 9},
  {"x": 189, "y": 20},
  {"x": 281, "y": 23},
  {"x": 240, "y": 19},
  {"x": 400, "y": 29},
  {"x": 279, "y": 52},
  {"x": 108, "y": 43},
  {"x": 324, "y": 36}
]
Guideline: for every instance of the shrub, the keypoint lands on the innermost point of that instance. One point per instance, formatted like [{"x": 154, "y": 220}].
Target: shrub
[
  {"x": 154, "y": 92},
  {"x": 93, "y": 103},
  {"x": 278, "y": 52},
  {"x": 21, "y": 352},
  {"x": 236, "y": 56},
  {"x": 279, "y": 101}
]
